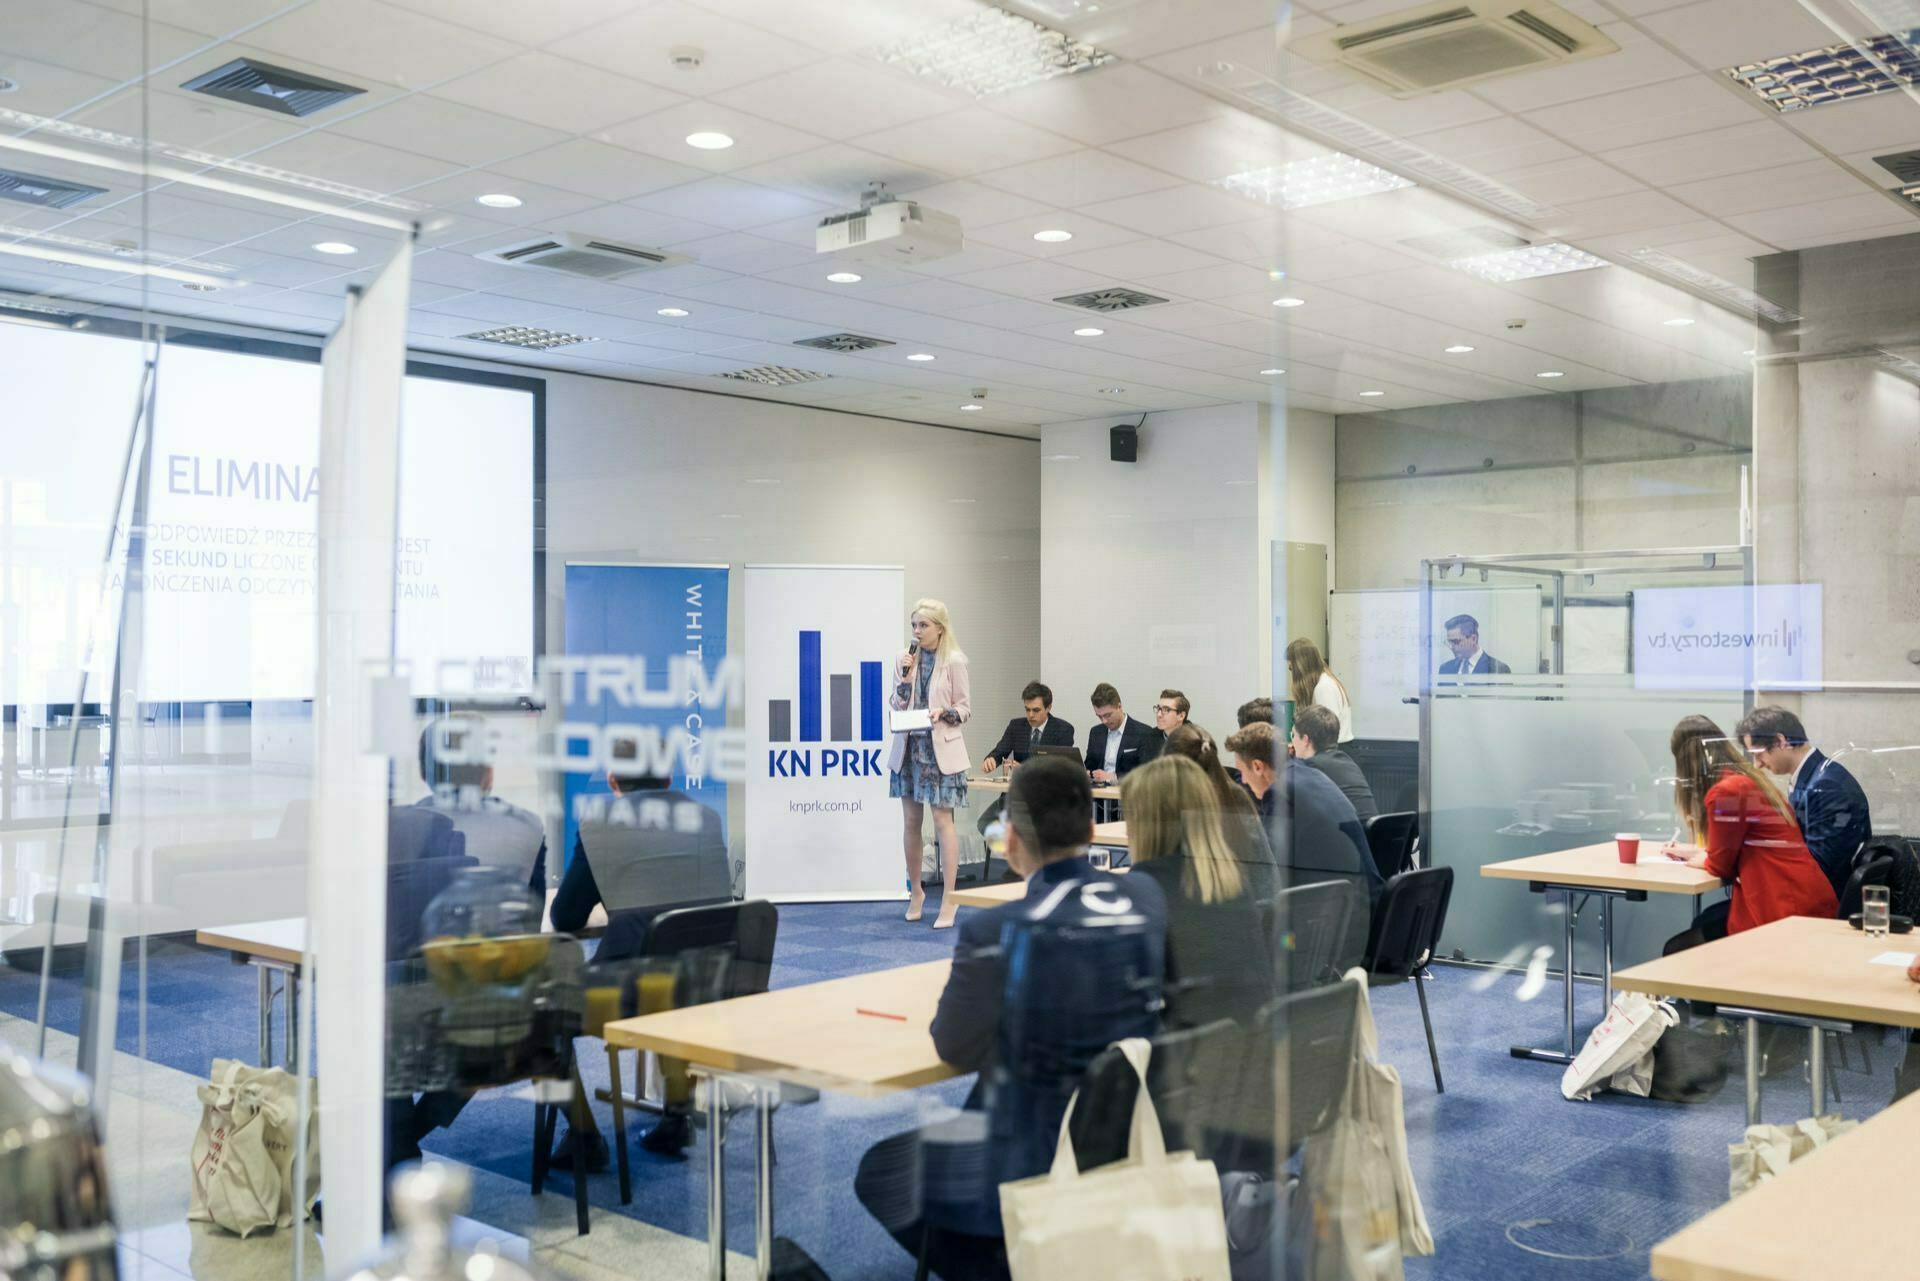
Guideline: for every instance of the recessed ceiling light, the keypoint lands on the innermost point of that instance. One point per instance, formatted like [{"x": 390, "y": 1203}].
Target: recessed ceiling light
[
  {"x": 921, "y": 355},
  {"x": 334, "y": 247},
  {"x": 1272, "y": 372},
  {"x": 199, "y": 288},
  {"x": 708, "y": 140},
  {"x": 675, "y": 312},
  {"x": 499, "y": 200},
  {"x": 1112, "y": 391},
  {"x": 1314, "y": 180},
  {"x": 963, "y": 500},
  {"x": 1289, "y": 302},
  {"x": 1458, "y": 349},
  {"x": 1678, "y": 322},
  {"x": 1052, "y": 237},
  {"x": 1059, "y": 458},
  {"x": 763, "y": 480},
  {"x": 970, "y": 409},
  {"x": 527, "y": 336},
  {"x": 1373, "y": 393},
  {"x": 991, "y": 52},
  {"x": 844, "y": 278},
  {"x": 1835, "y": 73},
  {"x": 1088, "y": 332},
  {"x": 1550, "y": 373},
  {"x": 1505, "y": 265},
  {"x": 726, "y": 515}
]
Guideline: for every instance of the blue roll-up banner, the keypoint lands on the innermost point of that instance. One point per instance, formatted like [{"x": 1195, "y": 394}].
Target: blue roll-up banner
[{"x": 655, "y": 612}]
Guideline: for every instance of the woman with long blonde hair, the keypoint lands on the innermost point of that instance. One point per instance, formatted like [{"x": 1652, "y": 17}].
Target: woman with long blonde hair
[
  {"x": 929, "y": 766},
  {"x": 1315, "y": 685},
  {"x": 1743, "y": 832},
  {"x": 1173, "y": 819}
]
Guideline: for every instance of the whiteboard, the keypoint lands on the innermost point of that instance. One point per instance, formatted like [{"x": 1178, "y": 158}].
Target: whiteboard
[{"x": 1374, "y": 646}]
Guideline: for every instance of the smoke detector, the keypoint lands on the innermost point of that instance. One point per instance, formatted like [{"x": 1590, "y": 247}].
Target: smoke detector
[
  {"x": 1454, "y": 43},
  {"x": 575, "y": 255},
  {"x": 687, "y": 58}
]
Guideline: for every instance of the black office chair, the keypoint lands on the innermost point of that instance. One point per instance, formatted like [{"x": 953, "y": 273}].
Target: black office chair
[
  {"x": 1192, "y": 1077},
  {"x": 1871, "y": 869},
  {"x": 1392, "y": 838},
  {"x": 1309, "y": 927},
  {"x": 1316, "y": 1029},
  {"x": 1411, "y": 914},
  {"x": 746, "y": 932}
]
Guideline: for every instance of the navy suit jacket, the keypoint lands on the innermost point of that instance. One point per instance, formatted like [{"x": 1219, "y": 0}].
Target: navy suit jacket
[
  {"x": 1832, "y": 810},
  {"x": 1039, "y": 988},
  {"x": 1139, "y": 743},
  {"x": 1315, "y": 832},
  {"x": 1490, "y": 667},
  {"x": 1017, "y": 743}
]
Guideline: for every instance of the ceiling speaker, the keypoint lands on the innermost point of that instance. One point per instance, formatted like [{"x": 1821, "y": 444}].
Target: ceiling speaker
[{"x": 1124, "y": 443}]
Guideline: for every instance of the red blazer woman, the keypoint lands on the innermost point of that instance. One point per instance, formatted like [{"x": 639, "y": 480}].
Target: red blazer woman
[{"x": 1762, "y": 853}]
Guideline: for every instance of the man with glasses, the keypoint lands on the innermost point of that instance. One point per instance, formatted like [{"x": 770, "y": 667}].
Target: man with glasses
[
  {"x": 1463, "y": 638},
  {"x": 1117, "y": 744},
  {"x": 1170, "y": 713},
  {"x": 1827, "y": 800}
]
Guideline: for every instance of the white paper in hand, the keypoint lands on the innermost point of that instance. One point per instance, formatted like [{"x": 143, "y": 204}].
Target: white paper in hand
[{"x": 907, "y": 719}]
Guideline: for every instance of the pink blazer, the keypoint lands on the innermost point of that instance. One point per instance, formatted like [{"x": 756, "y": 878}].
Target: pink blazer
[{"x": 948, "y": 689}]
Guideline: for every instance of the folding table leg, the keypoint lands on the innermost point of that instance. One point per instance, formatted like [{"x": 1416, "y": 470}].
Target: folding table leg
[
  {"x": 619, "y": 1125},
  {"x": 716, "y": 1182},
  {"x": 1753, "y": 1071}
]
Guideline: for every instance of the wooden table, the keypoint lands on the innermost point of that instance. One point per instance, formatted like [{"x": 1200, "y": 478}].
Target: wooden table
[
  {"x": 270, "y": 947},
  {"x": 998, "y": 894},
  {"x": 1830, "y": 1217},
  {"x": 1000, "y": 782},
  {"x": 866, "y": 1035},
  {"x": 1818, "y": 974},
  {"x": 1596, "y": 871}
]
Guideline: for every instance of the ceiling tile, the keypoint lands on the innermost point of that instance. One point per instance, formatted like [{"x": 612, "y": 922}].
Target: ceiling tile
[
  {"x": 728, "y": 202},
  {"x": 1776, "y": 188},
  {"x": 966, "y": 142},
  {"x": 664, "y": 134},
  {"x": 93, "y": 40},
  {"x": 1206, "y": 152},
  {"x": 639, "y": 44},
  {"x": 1725, "y": 33},
  {"x": 839, "y": 174},
  {"x": 322, "y": 154},
  {"x": 1835, "y": 217},
  {"x": 457, "y": 193},
  {"x": 598, "y": 169},
  {"x": 1762, "y": 144},
  {"x": 738, "y": 251},
  {"x": 1632, "y": 212},
  {"x": 1563, "y": 181},
  {"x": 635, "y": 225},
  {"x": 1140, "y": 31},
  {"x": 1020, "y": 313},
  {"x": 842, "y": 98},
  {"x": 1640, "y": 61},
  {"x": 1038, "y": 280},
  {"x": 377, "y": 40},
  {"x": 180, "y": 120},
  {"x": 1017, "y": 235},
  {"x": 1107, "y": 103},
  {"x": 1407, "y": 117},
  {"x": 558, "y": 92},
  {"x": 508, "y": 18},
  {"x": 1887, "y": 121},
  {"x": 978, "y": 206},
  {"x": 1177, "y": 209},
  {"x": 1139, "y": 259},
  {"x": 447, "y": 131},
  {"x": 1079, "y": 178},
  {"x": 1649, "y": 113},
  {"x": 1494, "y": 146}
]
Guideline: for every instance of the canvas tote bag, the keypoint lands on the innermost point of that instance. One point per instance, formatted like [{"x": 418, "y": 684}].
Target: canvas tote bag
[
  {"x": 1766, "y": 1150},
  {"x": 1155, "y": 1216},
  {"x": 1618, "y": 1054},
  {"x": 243, "y": 1152}
]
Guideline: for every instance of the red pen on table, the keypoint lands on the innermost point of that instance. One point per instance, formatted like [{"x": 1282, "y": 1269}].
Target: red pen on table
[{"x": 881, "y": 1014}]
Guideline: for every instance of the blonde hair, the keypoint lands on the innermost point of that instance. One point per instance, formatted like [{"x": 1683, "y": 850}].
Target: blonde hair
[
  {"x": 1307, "y": 666},
  {"x": 1701, "y": 755},
  {"x": 1173, "y": 812},
  {"x": 935, "y": 612}
]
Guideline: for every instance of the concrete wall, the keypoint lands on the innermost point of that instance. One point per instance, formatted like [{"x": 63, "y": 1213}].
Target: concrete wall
[{"x": 1601, "y": 470}]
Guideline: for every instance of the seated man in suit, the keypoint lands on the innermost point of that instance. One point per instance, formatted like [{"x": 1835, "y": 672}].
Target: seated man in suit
[
  {"x": 1118, "y": 744},
  {"x": 1463, "y": 638},
  {"x": 653, "y": 850},
  {"x": 1827, "y": 800},
  {"x": 498, "y": 833},
  {"x": 1314, "y": 831},
  {"x": 1038, "y": 989},
  {"x": 1315, "y": 743},
  {"x": 1039, "y": 727},
  {"x": 1254, "y": 709}
]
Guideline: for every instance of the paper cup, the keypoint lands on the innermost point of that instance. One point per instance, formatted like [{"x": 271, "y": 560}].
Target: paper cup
[{"x": 1628, "y": 843}]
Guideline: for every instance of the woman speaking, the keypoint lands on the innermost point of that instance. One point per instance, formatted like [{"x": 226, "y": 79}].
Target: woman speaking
[{"x": 930, "y": 765}]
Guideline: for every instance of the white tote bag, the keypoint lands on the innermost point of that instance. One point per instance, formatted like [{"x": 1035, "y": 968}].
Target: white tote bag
[
  {"x": 243, "y": 1152},
  {"x": 1619, "y": 1052},
  {"x": 1380, "y": 1082},
  {"x": 1766, "y": 1150},
  {"x": 1155, "y": 1216}
]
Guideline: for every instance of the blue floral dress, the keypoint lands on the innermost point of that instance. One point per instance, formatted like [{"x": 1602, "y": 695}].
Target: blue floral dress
[{"x": 921, "y": 779}]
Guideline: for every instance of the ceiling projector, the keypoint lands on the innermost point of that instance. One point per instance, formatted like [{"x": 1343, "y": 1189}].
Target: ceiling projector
[{"x": 888, "y": 231}]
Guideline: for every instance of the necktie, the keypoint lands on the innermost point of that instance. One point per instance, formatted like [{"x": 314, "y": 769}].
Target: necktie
[{"x": 1033, "y": 737}]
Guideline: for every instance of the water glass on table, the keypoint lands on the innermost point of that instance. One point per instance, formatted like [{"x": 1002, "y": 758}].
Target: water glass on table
[
  {"x": 1102, "y": 860},
  {"x": 1873, "y": 911}
]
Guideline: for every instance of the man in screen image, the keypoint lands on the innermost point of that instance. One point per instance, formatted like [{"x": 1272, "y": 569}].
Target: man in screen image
[{"x": 1463, "y": 638}]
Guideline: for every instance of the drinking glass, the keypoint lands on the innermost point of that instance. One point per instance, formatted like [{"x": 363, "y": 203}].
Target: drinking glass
[
  {"x": 1873, "y": 911},
  {"x": 1101, "y": 859}
]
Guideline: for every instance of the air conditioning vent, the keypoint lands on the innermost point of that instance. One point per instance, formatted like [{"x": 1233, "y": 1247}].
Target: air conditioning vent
[
  {"x": 48, "y": 193},
  {"x": 1454, "y": 43},
  {"x": 1111, "y": 300},
  {"x": 774, "y": 376},
  {"x": 583, "y": 256},
  {"x": 1904, "y": 165},
  {"x": 261, "y": 84},
  {"x": 843, "y": 342}
]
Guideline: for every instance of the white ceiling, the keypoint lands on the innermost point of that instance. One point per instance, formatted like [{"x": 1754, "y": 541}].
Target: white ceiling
[{"x": 575, "y": 107}]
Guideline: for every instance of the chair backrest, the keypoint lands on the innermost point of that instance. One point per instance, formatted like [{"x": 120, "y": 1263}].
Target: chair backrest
[
  {"x": 1189, "y": 1077},
  {"x": 1410, "y": 916},
  {"x": 748, "y": 929},
  {"x": 1873, "y": 868},
  {"x": 1310, "y": 928},
  {"x": 1315, "y": 1032},
  {"x": 411, "y": 886},
  {"x": 1391, "y": 837}
]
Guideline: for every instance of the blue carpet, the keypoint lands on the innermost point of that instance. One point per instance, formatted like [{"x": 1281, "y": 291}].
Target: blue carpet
[{"x": 1518, "y": 1183}]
